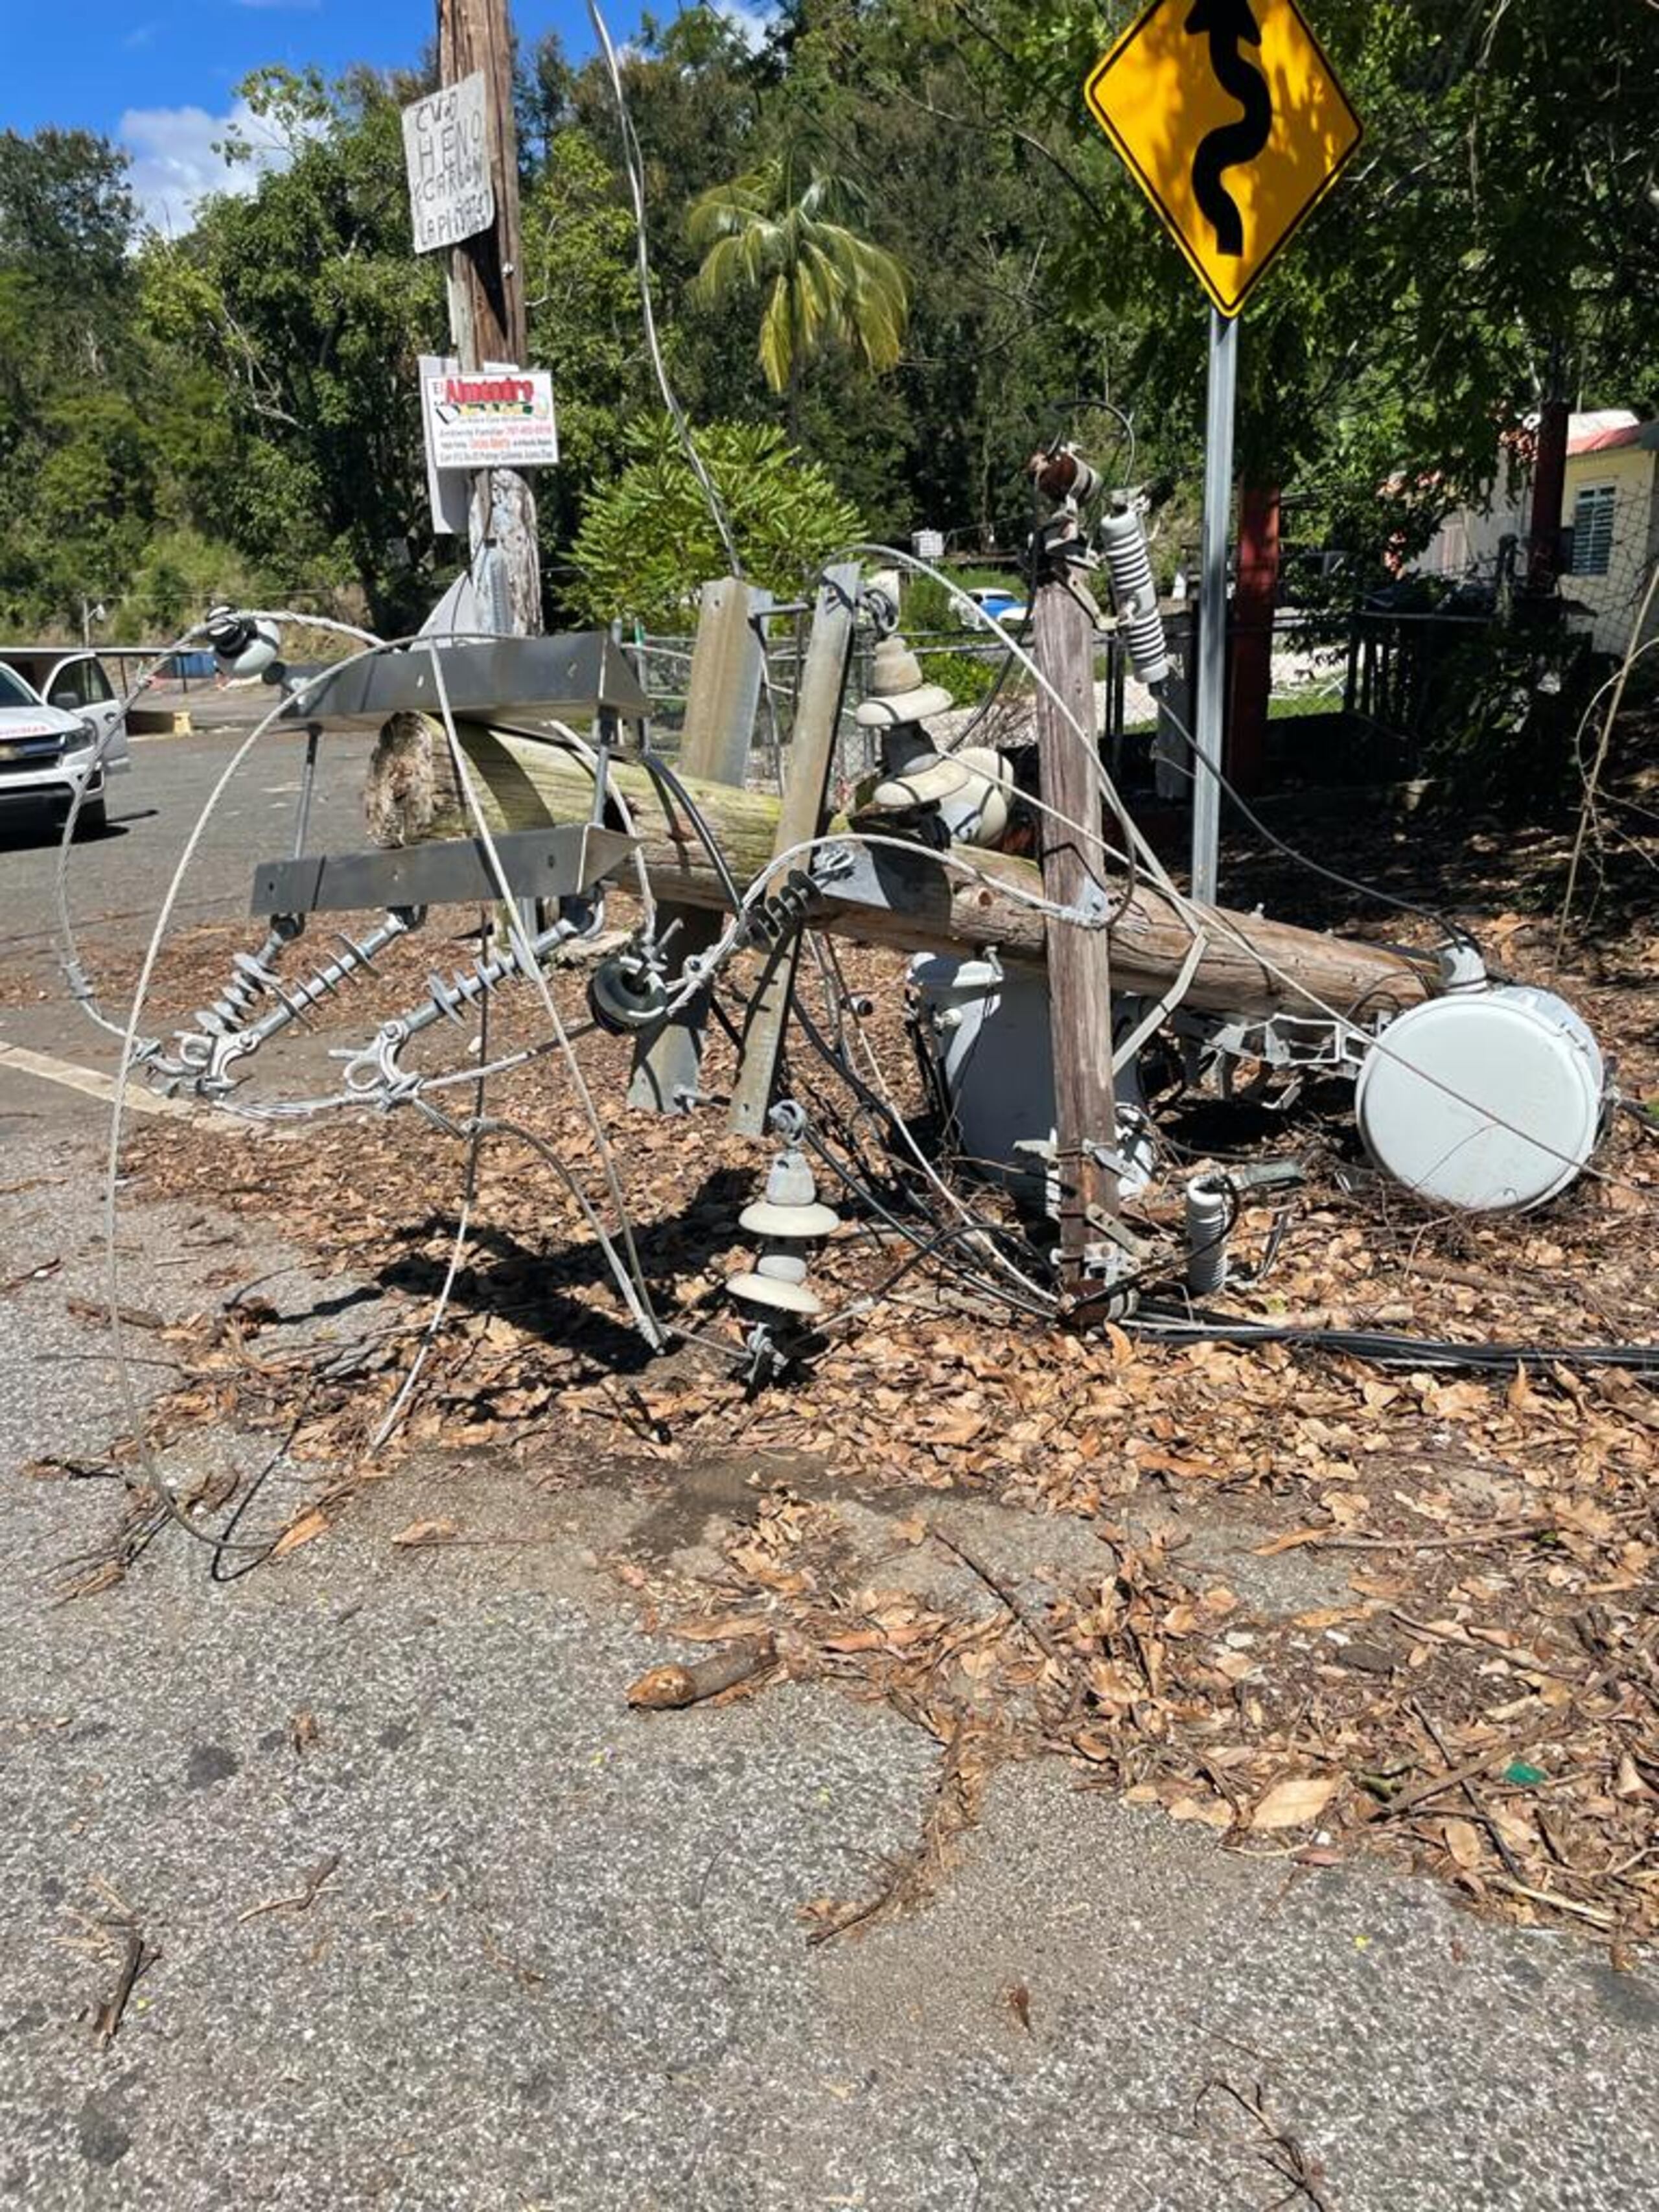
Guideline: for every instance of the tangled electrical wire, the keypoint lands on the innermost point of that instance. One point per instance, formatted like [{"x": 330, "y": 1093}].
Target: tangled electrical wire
[{"x": 865, "y": 1138}]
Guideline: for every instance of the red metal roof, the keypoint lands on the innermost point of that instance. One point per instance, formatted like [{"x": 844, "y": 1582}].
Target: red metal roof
[{"x": 1605, "y": 431}]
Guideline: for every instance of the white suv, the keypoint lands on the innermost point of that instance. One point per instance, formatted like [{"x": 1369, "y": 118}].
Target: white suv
[{"x": 56, "y": 702}]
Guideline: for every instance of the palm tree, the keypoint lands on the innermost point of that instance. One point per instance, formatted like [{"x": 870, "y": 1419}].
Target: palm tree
[{"x": 825, "y": 285}]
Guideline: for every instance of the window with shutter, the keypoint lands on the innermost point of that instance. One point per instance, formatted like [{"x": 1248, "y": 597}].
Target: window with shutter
[{"x": 1592, "y": 531}]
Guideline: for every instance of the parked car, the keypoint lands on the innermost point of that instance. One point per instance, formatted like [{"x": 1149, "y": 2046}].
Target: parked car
[
  {"x": 1003, "y": 606},
  {"x": 57, "y": 703}
]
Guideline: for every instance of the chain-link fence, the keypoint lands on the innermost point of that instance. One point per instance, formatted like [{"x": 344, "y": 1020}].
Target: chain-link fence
[{"x": 1374, "y": 693}]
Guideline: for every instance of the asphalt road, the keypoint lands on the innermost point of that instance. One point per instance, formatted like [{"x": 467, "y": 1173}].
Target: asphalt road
[
  {"x": 117, "y": 880},
  {"x": 441, "y": 1926}
]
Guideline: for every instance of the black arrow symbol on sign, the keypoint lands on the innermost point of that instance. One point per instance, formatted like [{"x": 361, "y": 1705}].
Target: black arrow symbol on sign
[{"x": 1228, "y": 24}]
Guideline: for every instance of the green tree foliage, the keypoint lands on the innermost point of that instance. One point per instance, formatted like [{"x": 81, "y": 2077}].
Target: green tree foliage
[
  {"x": 76, "y": 462},
  {"x": 248, "y": 393},
  {"x": 647, "y": 540},
  {"x": 306, "y": 300},
  {"x": 825, "y": 286}
]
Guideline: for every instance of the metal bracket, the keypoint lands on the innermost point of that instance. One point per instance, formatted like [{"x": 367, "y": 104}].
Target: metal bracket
[
  {"x": 576, "y": 676},
  {"x": 1114, "y": 1232},
  {"x": 558, "y": 862}
]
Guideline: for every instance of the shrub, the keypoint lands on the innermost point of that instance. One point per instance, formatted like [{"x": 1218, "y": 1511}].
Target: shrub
[{"x": 647, "y": 539}]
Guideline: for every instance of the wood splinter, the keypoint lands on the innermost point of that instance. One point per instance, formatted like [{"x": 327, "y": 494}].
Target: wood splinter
[
  {"x": 664, "y": 1689},
  {"x": 107, "y": 2017}
]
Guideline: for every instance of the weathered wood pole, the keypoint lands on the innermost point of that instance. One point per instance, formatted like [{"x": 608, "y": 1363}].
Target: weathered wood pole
[
  {"x": 800, "y": 816},
  {"x": 1250, "y": 965},
  {"x": 1074, "y": 875},
  {"x": 486, "y": 298}
]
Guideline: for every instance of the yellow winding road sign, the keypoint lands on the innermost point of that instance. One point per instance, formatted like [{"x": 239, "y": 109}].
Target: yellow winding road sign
[{"x": 1233, "y": 123}]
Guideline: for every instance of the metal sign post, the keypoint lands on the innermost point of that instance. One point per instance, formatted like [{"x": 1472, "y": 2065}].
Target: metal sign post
[
  {"x": 1211, "y": 712},
  {"x": 1233, "y": 123}
]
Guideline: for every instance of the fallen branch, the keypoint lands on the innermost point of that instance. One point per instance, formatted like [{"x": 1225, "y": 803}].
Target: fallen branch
[
  {"x": 1279, "y": 2149},
  {"x": 999, "y": 1589},
  {"x": 1503, "y": 1532},
  {"x": 302, "y": 1900},
  {"x": 665, "y": 1689},
  {"x": 106, "y": 2021},
  {"x": 1471, "y": 1771},
  {"x": 1598, "y": 1914},
  {"x": 1477, "y": 1804}
]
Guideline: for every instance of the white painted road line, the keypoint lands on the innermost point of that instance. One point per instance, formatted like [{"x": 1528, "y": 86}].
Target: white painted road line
[{"x": 95, "y": 1084}]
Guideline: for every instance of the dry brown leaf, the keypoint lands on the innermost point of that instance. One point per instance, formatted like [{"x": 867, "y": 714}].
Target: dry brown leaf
[
  {"x": 727, "y": 1628},
  {"x": 1630, "y": 1783},
  {"x": 309, "y": 1524},
  {"x": 1463, "y": 1840},
  {"x": 1290, "y": 1543},
  {"x": 428, "y": 1532},
  {"x": 1293, "y": 1804}
]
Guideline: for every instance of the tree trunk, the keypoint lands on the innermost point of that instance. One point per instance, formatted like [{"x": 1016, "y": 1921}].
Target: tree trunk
[{"x": 1250, "y": 965}]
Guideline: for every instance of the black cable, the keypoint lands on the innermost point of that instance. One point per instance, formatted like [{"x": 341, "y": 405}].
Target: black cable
[
  {"x": 1385, "y": 1349},
  {"x": 657, "y": 769},
  {"x": 926, "y": 1245},
  {"x": 888, "y": 1118},
  {"x": 926, "y": 1249},
  {"x": 1454, "y": 930}
]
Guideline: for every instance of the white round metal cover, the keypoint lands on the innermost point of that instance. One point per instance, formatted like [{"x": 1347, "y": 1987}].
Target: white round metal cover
[
  {"x": 1483, "y": 1101},
  {"x": 940, "y": 975},
  {"x": 767, "y": 1291},
  {"x": 762, "y": 1219}
]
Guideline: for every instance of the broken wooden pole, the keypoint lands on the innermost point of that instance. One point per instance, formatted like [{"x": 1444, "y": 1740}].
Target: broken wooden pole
[
  {"x": 722, "y": 693},
  {"x": 1074, "y": 875},
  {"x": 1250, "y": 965},
  {"x": 801, "y": 817}
]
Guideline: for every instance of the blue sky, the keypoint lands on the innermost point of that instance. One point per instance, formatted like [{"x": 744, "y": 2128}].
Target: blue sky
[{"x": 161, "y": 74}]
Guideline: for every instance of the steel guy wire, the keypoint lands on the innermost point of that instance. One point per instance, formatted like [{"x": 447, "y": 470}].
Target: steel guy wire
[
  {"x": 634, "y": 162},
  {"x": 638, "y": 1300},
  {"x": 405, "y": 1389}
]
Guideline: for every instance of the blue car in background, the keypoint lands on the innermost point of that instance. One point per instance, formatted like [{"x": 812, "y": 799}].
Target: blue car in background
[{"x": 1004, "y": 606}]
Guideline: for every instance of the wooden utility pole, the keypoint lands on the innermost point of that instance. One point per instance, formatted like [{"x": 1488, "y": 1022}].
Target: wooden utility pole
[
  {"x": 486, "y": 303},
  {"x": 801, "y": 817},
  {"x": 722, "y": 695},
  {"x": 1250, "y": 965},
  {"x": 1073, "y": 874}
]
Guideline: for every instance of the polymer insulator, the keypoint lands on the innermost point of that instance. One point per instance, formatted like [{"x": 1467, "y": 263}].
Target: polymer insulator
[
  {"x": 296, "y": 998},
  {"x": 1134, "y": 594}
]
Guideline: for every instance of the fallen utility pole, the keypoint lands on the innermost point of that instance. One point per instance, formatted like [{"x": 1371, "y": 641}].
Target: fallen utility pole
[
  {"x": 487, "y": 313},
  {"x": 1250, "y": 965},
  {"x": 1079, "y": 960}
]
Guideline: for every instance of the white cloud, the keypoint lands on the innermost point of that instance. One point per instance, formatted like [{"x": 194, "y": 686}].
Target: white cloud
[
  {"x": 751, "y": 24},
  {"x": 176, "y": 158}
]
